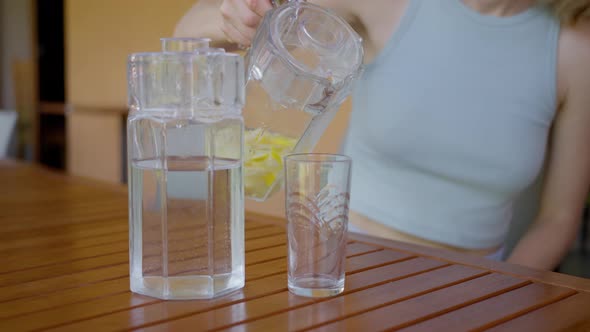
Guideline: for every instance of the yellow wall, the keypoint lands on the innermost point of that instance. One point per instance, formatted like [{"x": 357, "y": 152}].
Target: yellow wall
[{"x": 99, "y": 36}]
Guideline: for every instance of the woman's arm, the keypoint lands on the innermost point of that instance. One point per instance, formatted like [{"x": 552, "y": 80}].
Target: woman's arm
[
  {"x": 228, "y": 22},
  {"x": 567, "y": 182},
  {"x": 204, "y": 19}
]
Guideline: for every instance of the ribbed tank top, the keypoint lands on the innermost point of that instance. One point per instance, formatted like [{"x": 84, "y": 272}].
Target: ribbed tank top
[{"x": 450, "y": 122}]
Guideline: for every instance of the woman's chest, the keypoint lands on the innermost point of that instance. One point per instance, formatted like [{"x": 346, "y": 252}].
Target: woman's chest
[{"x": 487, "y": 127}]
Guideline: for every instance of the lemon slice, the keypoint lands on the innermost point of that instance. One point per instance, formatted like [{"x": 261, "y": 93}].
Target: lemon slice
[
  {"x": 269, "y": 178},
  {"x": 283, "y": 141},
  {"x": 259, "y": 157},
  {"x": 277, "y": 157},
  {"x": 264, "y": 161}
]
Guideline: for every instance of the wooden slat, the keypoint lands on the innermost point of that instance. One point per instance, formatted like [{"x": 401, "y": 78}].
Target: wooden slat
[
  {"x": 57, "y": 220},
  {"x": 63, "y": 202},
  {"x": 56, "y": 270},
  {"x": 426, "y": 306},
  {"x": 495, "y": 310},
  {"x": 107, "y": 222},
  {"x": 41, "y": 258},
  {"x": 63, "y": 282},
  {"x": 119, "y": 231},
  {"x": 268, "y": 254},
  {"x": 40, "y": 180},
  {"x": 355, "y": 248},
  {"x": 262, "y": 232},
  {"x": 571, "y": 314},
  {"x": 266, "y": 242},
  {"x": 375, "y": 259},
  {"x": 65, "y": 297},
  {"x": 387, "y": 281},
  {"x": 58, "y": 208},
  {"x": 76, "y": 312},
  {"x": 73, "y": 243}
]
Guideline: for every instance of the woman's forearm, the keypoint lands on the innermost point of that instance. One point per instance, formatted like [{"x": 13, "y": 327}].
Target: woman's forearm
[
  {"x": 544, "y": 245},
  {"x": 202, "y": 20}
]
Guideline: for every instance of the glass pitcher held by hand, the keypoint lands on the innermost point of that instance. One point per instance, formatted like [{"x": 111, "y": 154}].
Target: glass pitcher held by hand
[
  {"x": 185, "y": 144},
  {"x": 300, "y": 68}
]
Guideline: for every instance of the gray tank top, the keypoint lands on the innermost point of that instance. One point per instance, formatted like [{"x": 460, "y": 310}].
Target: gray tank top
[{"x": 451, "y": 120}]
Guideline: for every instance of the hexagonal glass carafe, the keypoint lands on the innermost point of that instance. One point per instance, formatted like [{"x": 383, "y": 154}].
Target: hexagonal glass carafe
[{"x": 185, "y": 144}]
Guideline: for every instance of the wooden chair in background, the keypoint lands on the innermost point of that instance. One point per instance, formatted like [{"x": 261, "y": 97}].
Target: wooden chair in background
[{"x": 25, "y": 91}]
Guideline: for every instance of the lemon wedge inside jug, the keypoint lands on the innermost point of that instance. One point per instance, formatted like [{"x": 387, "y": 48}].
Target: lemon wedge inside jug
[{"x": 263, "y": 162}]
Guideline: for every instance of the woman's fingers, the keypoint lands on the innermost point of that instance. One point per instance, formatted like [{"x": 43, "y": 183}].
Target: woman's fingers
[
  {"x": 241, "y": 19},
  {"x": 260, "y": 7},
  {"x": 234, "y": 35}
]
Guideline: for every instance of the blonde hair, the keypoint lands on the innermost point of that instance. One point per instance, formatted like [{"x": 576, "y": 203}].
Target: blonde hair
[{"x": 569, "y": 11}]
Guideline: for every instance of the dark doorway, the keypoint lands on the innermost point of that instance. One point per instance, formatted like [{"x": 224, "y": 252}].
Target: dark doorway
[{"x": 51, "y": 80}]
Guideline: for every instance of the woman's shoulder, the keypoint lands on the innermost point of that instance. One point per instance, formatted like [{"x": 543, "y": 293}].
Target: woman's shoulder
[
  {"x": 574, "y": 59},
  {"x": 577, "y": 36},
  {"x": 374, "y": 22}
]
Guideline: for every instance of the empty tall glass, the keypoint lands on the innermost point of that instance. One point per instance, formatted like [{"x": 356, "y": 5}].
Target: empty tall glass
[{"x": 317, "y": 195}]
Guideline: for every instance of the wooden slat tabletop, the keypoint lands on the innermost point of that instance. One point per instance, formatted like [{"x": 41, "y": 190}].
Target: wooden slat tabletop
[{"x": 64, "y": 249}]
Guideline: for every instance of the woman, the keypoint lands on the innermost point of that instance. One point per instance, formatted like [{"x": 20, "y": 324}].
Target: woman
[{"x": 461, "y": 105}]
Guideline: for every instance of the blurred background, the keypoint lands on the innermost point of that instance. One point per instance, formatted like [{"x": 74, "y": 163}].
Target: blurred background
[
  {"x": 63, "y": 74},
  {"x": 63, "y": 69}
]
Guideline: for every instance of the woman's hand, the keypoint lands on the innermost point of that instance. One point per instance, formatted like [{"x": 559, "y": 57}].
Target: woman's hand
[{"x": 241, "y": 18}]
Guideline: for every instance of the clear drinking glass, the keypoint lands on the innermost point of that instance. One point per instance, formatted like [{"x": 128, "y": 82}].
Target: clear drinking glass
[{"x": 317, "y": 196}]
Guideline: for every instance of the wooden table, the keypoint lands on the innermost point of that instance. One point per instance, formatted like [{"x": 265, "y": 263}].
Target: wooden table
[{"x": 64, "y": 250}]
